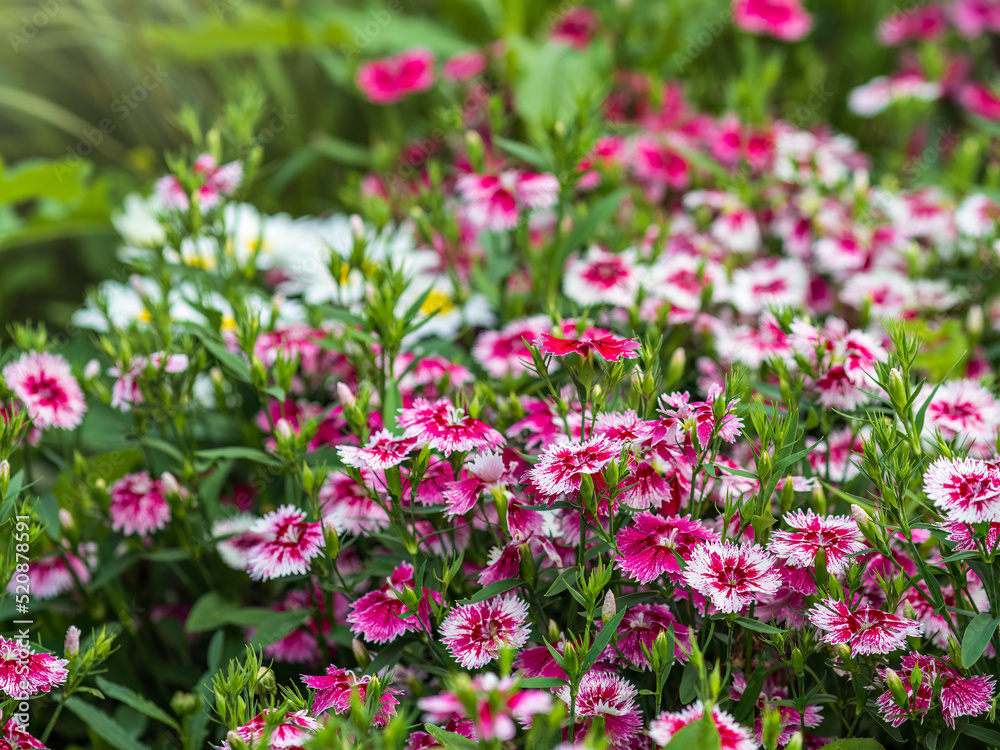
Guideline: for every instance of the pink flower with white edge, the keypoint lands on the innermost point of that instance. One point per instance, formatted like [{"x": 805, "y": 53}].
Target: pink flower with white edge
[
  {"x": 475, "y": 633},
  {"x": 966, "y": 410},
  {"x": 602, "y": 278},
  {"x": 383, "y": 451},
  {"x": 24, "y": 673},
  {"x": 288, "y": 544},
  {"x": 562, "y": 466},
  {"x": 732, "y": 735},
  {"x": 682, "y": 420},
  {"x": 650, "y": 546},
  {"x": 393, "y": 78},
  {"x": 445, "y": 427},
  {"x": 336, "y": 689},
  {"x": 348, "y": 506},
  {"x": 138, "y": 505},
  {"x": 838, "y": 536},
  {"x": 605, "y": 344},
  {"x": 500, "y": 705},
  {"x": 867, "y": 630},
  {"x": 497, "y": 202},
  {"x": 484, "y": 472},
  {"x": 15, "y": 737},
  {"x": 292, "y": 734},
  {"x": 381, "y": 616},
  {"x": 52, "y": 575},
  {"x": 769, "y": 282},
  {"x": 45, "y": 384},
  {"x": 783, "y": 19},
  {"x": 641, "y": 625},
  {"x": 216, "y": 182},
  {"x": 959, "y": 696},
  {"x": 504, "y": 352},
  {"x": 966, "y": 490},
  {"x": 732, "y": 575},
  {"x": 605, "y": 695}
]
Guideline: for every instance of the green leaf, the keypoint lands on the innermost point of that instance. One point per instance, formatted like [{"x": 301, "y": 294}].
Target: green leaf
[
  {"x": 341, "y": 151},
  {"x": 103, "y": 725},
  {"x": 523, "y": 152},
  {"x": 759, "y": 627},
  {"x": 450, "y": 739},
  {"x": 559, "y": 82},
  {"x": 978, "y": 634},
  {"x": 542, "y": 682},
  {"x": 212, "y": 612},
  {"x": 494, "y": 589},
  {"x": 603, "y": 638},
  {"x": 130, "y": 698},
  {"x": 982, "y": 733},
  {"x": 232, "y": 363},
  {"x": 750, "y": 695},
  {"x": 238, "y": 451},
  {"x": 854, "y": 744}
]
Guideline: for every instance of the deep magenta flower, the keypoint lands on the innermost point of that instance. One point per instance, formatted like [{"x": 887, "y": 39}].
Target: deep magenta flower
[
  {"x": 838, "y": 536},
  {"x": 867, "y": 630},
  {"x": 378, "y": 616},
  {"x": 647, "y": 548},
  {"x": 15, "y": 737},
  {"x": 475, "y": 633},
  {"x": 24, "y": 673},
  {"x": 782, "y": 19},
  {"x": 640, "y": 626},
  {"x": 335, "y": 688},
  {"x": 607, "y": 345},
  {"x": 389, "y": 80},
  {"x": 732, "y": 575},
  {"x": 287, "y": 544},
  {"x": 46, "y": 386}
]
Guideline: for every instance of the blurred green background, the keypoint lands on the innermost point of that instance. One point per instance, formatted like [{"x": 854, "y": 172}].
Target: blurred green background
[{"x": 69, "y": 68}]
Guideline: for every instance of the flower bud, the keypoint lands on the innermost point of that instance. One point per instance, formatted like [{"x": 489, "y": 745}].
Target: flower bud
[
  {"x": 170, "y": 484},
  {"x": 771, "y": 726},
  {"x": 553, "y": 631},
  {"x": 184, "y": 704},
  {"x": 283, "y": 430},
  {"x": 974, "y": 321},
  {"x": 344, "y": 395},
  {"x": 795, "y": 742},
  {"x": 361, "y": 653},
  {"x": 93, "y": 369},
  {"x": 308, "y": 479},
  {"x": 235, "y": 741},
  {"x": 357, "y": 228},
  {"x": 71, "y": 647},
  {"x": 897, "y": 389},
  {"x": 266, "y": 683},
  {"x": 571, "y": 661},
  {"x": 4, "y": 476},
  {"x": 609, "y": 609},
  {"x": 797, "y": 661},
  {"x": 916, "y": 678},
  {"x": 896, "y": 688},
  {"x": 675, "y": 369}
]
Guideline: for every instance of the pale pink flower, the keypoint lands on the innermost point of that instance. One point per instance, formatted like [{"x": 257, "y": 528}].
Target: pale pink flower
[
  {"x": 977, "y": 216},
  {"x": 958, "y": 696},
  {"x": 922, "y": 23},
  {"x": 383, "y": 451},
  {"x": 604, "y": 694},
  {"x": 500, "y": 705},
  {"x": 497, "y": 202},
  {"x": 838, "y": 537},
  {"x": 966, "y": 410},
  {"x": 445, "y": 427},
  {"x": 348, "y": 506},
  {"x": 602, "y": 278},
  {"x": 45, "y": 384},
  {"x": 288, "y": 543},
  {"x": 867, "y": 630},
  {"x": 334, "y": 691},
  {"x": 732, "y": 736},
  {"x": 24, "y": 673},
  {"x": 50, "y": 576},
  {"x": 649, "y": 548},
  {"x": 138, "y": 505},
  {"x": 875, "y": 96},
  {"x": 475, "y": 633},
  {"x": 561, "y": 466},
  {"x": 464, "y": 66},
  {"x": 973, "y": 17},
  {"x": 484, "y": 472},
  {"x": 393, "y": 78},
  {"x": 732, "y": 575},
  {"x": 966, "y": 490},
  {"x": 234, "y": 539},
  {"x": 504, "y": 352}
]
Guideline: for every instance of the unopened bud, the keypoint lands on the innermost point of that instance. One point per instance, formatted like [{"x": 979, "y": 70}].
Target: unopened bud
[
  {"x": 283, "y": 430},
  {"x": 797, "y": 661},
  {"x": 974, "y": 321},
  {"x": 819, "y": 499},
  {"x": 571, "y": 661},
  {"x": 71, "y": 646},
  {"x": 170, "y": 484},
  {"x": 360, "y": 653},
  {"x": 357, "y": 228},
  {"x": 266, "y": 683},
  {"x": 92, "y": 370},
  {"x": 344, "y": 395},
  {"x": 771, "y": 726},
  {"x": 916, "y": 678},
  {"x": 897, "y": 388},
  {"x": 609, "y": 609},
  {"x": 332, "y": 540},
  {"x": 896, "y": 688},
  {"x": 553, "y": 631},
  {"x": 795, "y": 742},
  {"x": 184, "y": 704},
  {"x": 764, "y": 466},
  {"x": 234, "y": 741},
  {"x": 675, "y": 370}
]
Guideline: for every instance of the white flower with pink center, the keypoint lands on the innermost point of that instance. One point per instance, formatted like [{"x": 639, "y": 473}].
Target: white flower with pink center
[
  {"x": 966, "y": 410},
  {"x": 732, "y": 736},
  {"x": 966, "y": 490},
  {"x": 838, "y": 536},
  {"x": 562, "y": 466},
  {"x": 46, "y": 386},
  {"x": 605, "y": 695},
  {"x": 475, "y": 633},
  {"x": 497, "y": 202},
  {"x": 731, "y": 575},
  {"x": 287, "y": 544},
  {"x": 769, "y": 282},
  {"x": 602, "y": 278}
]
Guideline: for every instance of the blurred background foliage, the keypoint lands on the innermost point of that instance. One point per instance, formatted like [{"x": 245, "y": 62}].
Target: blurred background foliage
[{"x": 93, "y": 93}]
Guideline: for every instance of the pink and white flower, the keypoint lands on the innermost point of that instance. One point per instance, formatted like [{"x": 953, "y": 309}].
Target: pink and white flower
[
  {"x": 287, "y": 544},
  {"x": 867, "y": 630},
  {"x": 562, "y": 466},
  {"x": 606, "y": 695},
  {"x": 295, "y": 730},
  {"x": 24, "y": 673},
  {"x": 485, "y": 472},
  {"x": 15, "y": 737},
  {"x": 500, "y": 704},
  {"x": 393, "y": 78},
  {"x": 769, "y": 282},
  {"x": 139, "y": 505},
  {"x": 732, "y": 575},
  {"x": 504, "y": 352},
  {"x": 966, "y": 410},
  {"x": 966, "y": 490},
  {"x": 381, "y": 616},
  {"x": 649, "y": 548},
  {"x": 475, "y": 633},
  {"x": 602, "y": 278},
  {"x": 732, "y": 736},
  {"x": 838, "y": 537},
  {"x": 383, "y": 451},
  {"x": 338, "y": 687},
  {"x": 45, "y": 384},
  {"x": 497, "y": 202},
  {"x": 445, "y": 427},
  {"x": 216, "y": 182},
  {"x": 959, "y": 696}
]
